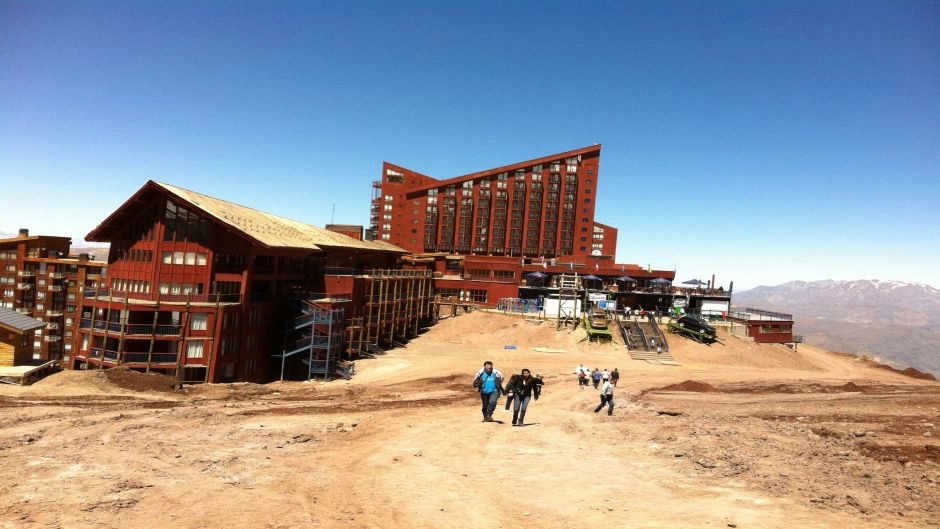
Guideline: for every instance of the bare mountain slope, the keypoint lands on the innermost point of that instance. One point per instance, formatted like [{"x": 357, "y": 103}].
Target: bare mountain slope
[{"x": 891, "y": 320}]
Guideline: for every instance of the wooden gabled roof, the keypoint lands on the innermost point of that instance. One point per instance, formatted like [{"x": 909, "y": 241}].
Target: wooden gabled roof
[{"x": 265, "y": 229}]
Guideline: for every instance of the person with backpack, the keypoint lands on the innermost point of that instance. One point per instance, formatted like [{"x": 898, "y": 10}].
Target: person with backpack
[
  {"x": 523, "y": 388},
  {"x": 607, "y": 397},
  {"x": 596, "y": 376},
  {"x": 582, "y": 374},
  {"x": 489, "y": 382}
]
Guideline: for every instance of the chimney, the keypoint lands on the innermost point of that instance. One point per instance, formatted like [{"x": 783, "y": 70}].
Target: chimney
[{"x": 24, "y": 232}]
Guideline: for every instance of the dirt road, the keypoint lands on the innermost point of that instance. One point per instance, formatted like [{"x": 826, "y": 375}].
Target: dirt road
[{"x": 738, "y": 435}]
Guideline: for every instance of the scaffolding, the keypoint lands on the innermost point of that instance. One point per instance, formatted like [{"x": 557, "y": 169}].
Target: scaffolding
[
  {"x": 568, "y": 286},
  {"x": 398, "y": 304}
]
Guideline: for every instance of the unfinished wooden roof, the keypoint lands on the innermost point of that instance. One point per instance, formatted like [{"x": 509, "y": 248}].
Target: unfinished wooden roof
[
  {"x": 267, "y": 229},
  {"x": 19, "y": 322}
]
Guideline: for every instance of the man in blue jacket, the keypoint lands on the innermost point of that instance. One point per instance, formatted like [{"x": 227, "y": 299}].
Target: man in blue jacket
[{"x": 489, "y": 382}]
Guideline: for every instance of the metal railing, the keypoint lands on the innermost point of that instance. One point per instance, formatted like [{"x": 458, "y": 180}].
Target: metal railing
[
  {"x": 133, "y": 358},
  {"x": 132, "y": 329},
  {"x": 160, "y": 297},
  {"x": 749, "y": 313}
]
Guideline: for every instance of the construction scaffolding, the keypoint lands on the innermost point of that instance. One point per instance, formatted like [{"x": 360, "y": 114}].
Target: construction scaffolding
[
  {"x": 398, "y": 304},
  {"x": 568, "y": 300}
]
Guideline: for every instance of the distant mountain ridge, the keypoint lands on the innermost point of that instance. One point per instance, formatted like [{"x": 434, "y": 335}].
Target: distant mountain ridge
[{"x": 894, "y": 321}]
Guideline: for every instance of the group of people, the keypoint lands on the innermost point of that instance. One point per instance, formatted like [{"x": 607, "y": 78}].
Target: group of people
[
  {"x": 523, "y": 387},
  {"x": 519, "y": 390},
  {"x": 609, "y": 380},
  {"x": 586, "y": 376}
]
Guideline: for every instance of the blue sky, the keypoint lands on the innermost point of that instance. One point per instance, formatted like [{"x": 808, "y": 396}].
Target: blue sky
[{"x": 759, "y": 141}]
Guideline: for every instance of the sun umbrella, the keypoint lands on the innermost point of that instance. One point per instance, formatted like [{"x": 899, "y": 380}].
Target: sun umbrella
[
  {"x": 537, "y": 275},
  {"x": 591, "y": 277},
  {"x": 696, "y": 282},
  {"x": 626, "y": 279},
  {"x": 661, "y": 281}
]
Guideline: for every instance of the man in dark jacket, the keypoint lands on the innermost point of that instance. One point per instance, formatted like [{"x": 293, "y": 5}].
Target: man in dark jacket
[{"x": 523, "y": 388}]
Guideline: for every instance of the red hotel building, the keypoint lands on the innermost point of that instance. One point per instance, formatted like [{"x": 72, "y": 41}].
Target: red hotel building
[{"x": 484, "y": 232}]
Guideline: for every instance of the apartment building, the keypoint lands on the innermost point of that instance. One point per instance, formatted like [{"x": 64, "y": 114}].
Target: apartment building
[{"x": 40, "y": 279}]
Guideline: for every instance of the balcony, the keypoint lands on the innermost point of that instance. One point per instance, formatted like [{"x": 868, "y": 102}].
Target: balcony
[
  {"x": 54, "y": 288},
  {"x": 114, "y": 357},
  {"x": 26, "y": 273},
  {"x": 90, "y": 292},
  {"x": 24, "y": 286},
  {"x": 56, "y": 275},
  {"x": 53, "y": 313},
  {"x": 52, "y": 338},
  {"x": 132, "y": 329}
]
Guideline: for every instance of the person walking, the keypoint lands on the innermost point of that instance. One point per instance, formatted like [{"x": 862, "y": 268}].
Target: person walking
[
  {"x": 596, "y": 376},
  {"x": 523, "y": 387},
  {"x": 509, "y": 393},
  {"x": 489, "y": 382},
  {"x": 607, "y": 397},
  {"x": 582, "y": 374},
  {"x": 614, "y": 377}
]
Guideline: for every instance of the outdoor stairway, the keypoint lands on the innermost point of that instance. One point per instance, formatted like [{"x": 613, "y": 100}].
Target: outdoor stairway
[
  {"x": 653, "y": 357},
  {"x": 635, "y": 341}
]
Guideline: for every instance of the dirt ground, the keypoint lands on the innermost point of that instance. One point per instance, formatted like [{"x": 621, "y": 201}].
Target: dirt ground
[{"x": 737, "y": 435}]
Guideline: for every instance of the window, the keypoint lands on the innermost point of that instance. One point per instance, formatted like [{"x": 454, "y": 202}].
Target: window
[
  {"x": 194, "y": 349},
  {"x": 477, "y": 296},
  {"x": 199, "y": 321},
  {"x": 478, "y": 274}
]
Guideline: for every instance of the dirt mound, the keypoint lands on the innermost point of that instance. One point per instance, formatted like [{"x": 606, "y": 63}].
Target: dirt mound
[
  {"x": 690, "y": 385},
  {"x": 916, "y": 373},
  {"x": 908, "y": 372},
  {"x": 793, "y": 388},
  {"x": 69, "y": 379},
  {"x": 135, "y": 381},
  {"x": 103, "y": 380}
]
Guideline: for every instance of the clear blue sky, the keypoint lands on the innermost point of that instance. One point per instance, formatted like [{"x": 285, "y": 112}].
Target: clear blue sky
[{"x": 760, "y": 141}]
